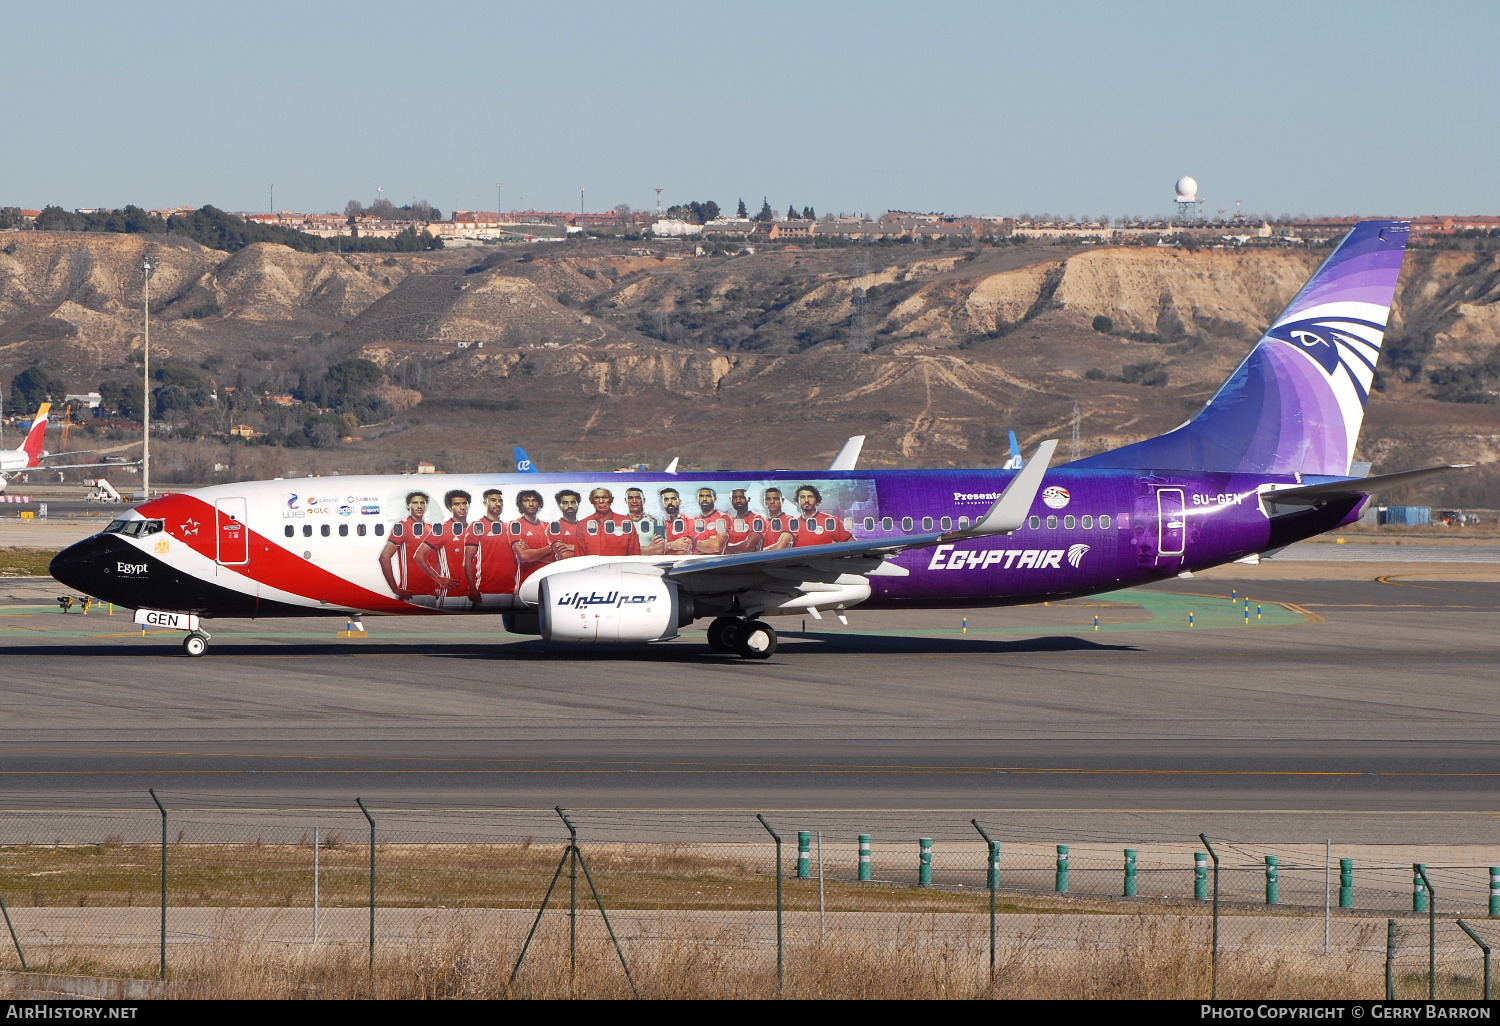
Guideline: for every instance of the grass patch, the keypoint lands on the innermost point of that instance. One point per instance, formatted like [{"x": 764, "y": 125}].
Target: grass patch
[{"x": 18, "y": 561}]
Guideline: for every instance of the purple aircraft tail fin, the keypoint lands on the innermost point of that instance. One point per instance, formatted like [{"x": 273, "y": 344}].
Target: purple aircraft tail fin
[{"x": 1295, "y": 405}]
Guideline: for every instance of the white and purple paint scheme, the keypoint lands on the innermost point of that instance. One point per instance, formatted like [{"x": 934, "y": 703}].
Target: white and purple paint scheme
[{"x": 621, "y": 558}]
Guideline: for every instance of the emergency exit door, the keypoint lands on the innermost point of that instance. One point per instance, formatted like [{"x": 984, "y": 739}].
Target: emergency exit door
[{"x": 233, "y": 536}]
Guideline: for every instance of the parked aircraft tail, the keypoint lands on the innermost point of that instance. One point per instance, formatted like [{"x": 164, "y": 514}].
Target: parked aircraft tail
[
  {"x": 36, "y": 435},
  {"x": 524, "y": 464},
  {"x": 1296, "y": 403}
]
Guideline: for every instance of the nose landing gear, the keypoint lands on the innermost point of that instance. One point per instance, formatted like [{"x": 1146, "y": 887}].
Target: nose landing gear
[
  {"x": 749, "y": 639},
  {"x": 196, "y": 643}
]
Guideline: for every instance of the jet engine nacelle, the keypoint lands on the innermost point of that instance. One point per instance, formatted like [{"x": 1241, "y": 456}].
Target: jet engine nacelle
[{"x": 611, "y": 603}]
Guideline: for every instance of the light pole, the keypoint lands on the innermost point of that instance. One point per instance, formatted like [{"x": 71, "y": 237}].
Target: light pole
[
  {"x": 580, "y": 206},
  {"x": 498, "y": 187},
  {"x": 146, "y": 268}
]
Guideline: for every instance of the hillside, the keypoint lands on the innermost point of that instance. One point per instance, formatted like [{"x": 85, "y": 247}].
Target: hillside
[{"x": 594, "y": 356}]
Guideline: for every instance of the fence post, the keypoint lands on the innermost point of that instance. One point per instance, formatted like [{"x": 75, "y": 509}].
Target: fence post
[
  {"x": 1214, "y": 957},
  {"x": 1273, "y": 880},
  {"x": 1482, "y": 947},
  {"x": 1200, "y": 876},
  {"x": 1418, "y": 892},
  {"x": 1131, "y": 857},
  {"x": 780, "y": 962},
  {"x": 1495, "y": 890},
  {"x": 1346, "y": 883},
  {"x": 992, "y": 880},
  {"x": 1390, "y": 960},
  {"x": 22, "y": 955},
  {"x": 1430, "y": 899},
  {"x": 361, "y": 803},
  {"x": 163, "y": 809},
  {"x": 1061, "y": 882},
  {"x": 924, "y": 862},
  {"x": 804, "y": 854},
  {"x": 866, "y": 870}
]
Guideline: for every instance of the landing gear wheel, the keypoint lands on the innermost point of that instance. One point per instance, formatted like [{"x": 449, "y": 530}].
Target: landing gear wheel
[
  {"x": 195, "y": 644},
  {"x": 757, "y": 640},
  {"x": 724, "y": 632}
]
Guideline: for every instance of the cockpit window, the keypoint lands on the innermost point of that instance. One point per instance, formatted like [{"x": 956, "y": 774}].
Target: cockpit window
[
  {"x": 152, "y": 527},
  {"x": 115, "y": 526},
  {"x": 132, "y": 528}
]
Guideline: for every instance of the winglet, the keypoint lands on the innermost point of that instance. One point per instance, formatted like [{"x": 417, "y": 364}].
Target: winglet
[
  {"x": 36, "y": 436},
  {"x": 849, "y": 455},
  {"x": 671, "y": 467},
  {"x": 1010, "y": 511}
]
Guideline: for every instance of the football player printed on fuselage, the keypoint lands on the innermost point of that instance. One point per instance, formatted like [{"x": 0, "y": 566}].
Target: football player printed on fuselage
[
  {"x": 778, "y": 534},
  {"x": 816, "y": 528},
  {"x": 743, "y": 537},
  {"x": 564, "y": 530},
  {"x": 442, "y": 551},
  {"x": 679, "y": 540},
  {"x": 530, "y": 538},
  {"x": 710, "y": 528},
  {"x": 605, "y": 532},
  {"x": 489, "y": 561},
  {"x": 653, "y": 536},
  {"x": 404, "y": 575}
]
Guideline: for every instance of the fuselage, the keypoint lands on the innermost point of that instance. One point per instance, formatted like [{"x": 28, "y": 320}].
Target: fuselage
[{"x": 394, "y": 544}]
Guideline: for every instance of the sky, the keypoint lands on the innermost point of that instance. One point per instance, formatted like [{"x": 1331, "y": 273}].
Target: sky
[{"x": 983, "y": 107}]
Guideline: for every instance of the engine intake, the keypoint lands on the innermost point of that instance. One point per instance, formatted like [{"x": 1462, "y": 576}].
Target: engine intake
[{"x": 607, "y": 604}]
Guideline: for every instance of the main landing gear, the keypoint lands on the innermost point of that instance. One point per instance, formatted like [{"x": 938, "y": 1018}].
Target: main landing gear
[{"x": 750, "y": 639}]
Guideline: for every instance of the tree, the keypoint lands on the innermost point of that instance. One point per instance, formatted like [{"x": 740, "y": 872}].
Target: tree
[
  {"x": 354, "y": 208},
  {"x": 740, "y": 211},
  {"x": 1103, "y": 324},
  {"x": 765, "y": 211},
  {"x": 123, "y": 398},
  {"x": 808, "y": 213},
  {"x": 791, "y": 213},
  {"x": 34, "y": 386},
  {"x": 383, "y": 209}
]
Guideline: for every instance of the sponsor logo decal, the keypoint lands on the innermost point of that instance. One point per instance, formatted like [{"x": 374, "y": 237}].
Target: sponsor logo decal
[
  {"x": 1076, "y": 554},
  {"x": 292, "y": 502},
  {"x": 1056, "y": 497},
  {"x": 370, "y": 510},
  {"x": 346, "y": 511}
]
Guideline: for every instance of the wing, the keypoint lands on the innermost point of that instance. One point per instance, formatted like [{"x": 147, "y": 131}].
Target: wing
[{"x": 820, "y": 567}]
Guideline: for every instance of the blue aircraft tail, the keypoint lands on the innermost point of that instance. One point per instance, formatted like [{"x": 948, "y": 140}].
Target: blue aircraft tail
[
  {"x": 1295, "y": 405},
  {"x": 524, "y": 464}
]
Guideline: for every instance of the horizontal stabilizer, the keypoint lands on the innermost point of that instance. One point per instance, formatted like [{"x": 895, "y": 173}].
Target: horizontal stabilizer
[{"x": 1313, "y": 495}]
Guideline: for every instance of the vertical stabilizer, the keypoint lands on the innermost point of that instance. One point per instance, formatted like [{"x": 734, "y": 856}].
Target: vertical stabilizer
[
  {"x": 1296, "y": 403},
  {"x": 36, "y": 435}
]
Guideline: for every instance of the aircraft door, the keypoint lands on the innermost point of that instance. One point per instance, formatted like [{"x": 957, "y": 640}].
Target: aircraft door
[
  {"x": 1171, "y": 522},
  {"x": 232, "y": 534}
]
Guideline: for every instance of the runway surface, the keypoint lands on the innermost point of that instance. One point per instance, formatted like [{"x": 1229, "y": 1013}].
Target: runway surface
[{"x": 1360, "y": 708}]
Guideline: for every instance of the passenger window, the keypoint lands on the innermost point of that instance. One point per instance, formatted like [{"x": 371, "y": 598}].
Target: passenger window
[
  {"x": 554, "y": 528},
  {"x": 926, "y": 523},
  {"x": 1052, "y": 523},
  {"x": 887, "y": 524},
  {"x": 963, "y": 523},
  {"x": 1104, "y": 523},
  {"x": 418, "y": 529},
  {"x": 1069, "y": 523},
  {"x": 946, "y": 523},
  {"x": 343, "y": 530},
  {"x": 290, "y": 531},
  {"x": 907, "y": 523},
  {"x": 380, "y": 530},
  {"x": 1088, "y": 523},
  {"x": 326, "y": 531},
  {"x": 515, "y": 528},
  {"x": 1035, "y": 523},
  {"x": 359, "y": 529},
  {"x": 398, "y": 530},
  {"x": 869, "y": 523},
  {"x": 307, "y": 530}
]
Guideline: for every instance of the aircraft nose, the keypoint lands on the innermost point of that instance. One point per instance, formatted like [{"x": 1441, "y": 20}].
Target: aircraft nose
[{"x": 83, "y": 566}]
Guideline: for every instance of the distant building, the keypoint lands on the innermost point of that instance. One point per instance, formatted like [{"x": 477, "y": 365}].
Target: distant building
[{"x": 675, "y": 228}]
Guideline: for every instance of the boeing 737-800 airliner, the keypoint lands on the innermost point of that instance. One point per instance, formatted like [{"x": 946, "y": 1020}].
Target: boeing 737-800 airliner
[{"x": 610, "y": 558}]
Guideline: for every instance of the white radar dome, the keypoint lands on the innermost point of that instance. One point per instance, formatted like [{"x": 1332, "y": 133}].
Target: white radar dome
[{"x": 1187, "y": 188}]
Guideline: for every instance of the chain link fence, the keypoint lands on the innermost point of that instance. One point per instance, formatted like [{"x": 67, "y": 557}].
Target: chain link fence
[{"x": 277, "y": 903}]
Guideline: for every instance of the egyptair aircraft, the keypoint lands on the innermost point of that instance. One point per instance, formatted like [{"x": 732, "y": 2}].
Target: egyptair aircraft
[
  {"x": 31, "y": 455},
  {"x": 605, "y": 558}
]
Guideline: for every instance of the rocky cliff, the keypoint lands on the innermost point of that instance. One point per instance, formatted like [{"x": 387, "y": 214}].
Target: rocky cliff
[{"x": 591, "y": 355}]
